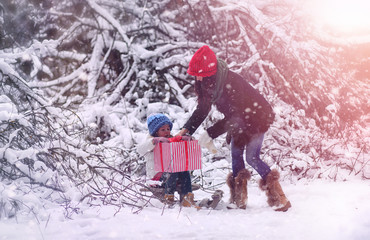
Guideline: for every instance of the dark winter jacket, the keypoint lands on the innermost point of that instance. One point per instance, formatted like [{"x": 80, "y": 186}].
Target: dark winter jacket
[{"x": 245, "y": 110}]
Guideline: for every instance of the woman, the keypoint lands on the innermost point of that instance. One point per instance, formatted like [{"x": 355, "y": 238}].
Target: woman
[{"x": 247, "y": 116}]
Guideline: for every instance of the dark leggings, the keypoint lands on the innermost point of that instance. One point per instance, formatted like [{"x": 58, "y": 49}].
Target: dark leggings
[{"x": 183, "y": 178}]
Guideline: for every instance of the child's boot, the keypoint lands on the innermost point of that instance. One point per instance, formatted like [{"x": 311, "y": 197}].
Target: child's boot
[
  {"x": 188, "y": 201},
  {"x": 169, "y": 199}
]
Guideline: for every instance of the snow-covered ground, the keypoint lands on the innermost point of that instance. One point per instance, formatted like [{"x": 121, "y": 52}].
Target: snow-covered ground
[{"x": 321, "y": 210}]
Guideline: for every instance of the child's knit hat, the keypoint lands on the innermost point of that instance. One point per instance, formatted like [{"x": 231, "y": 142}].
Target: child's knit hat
[
  {"x": 156, "y": 121},
  {"x": 203, "y": 63}
]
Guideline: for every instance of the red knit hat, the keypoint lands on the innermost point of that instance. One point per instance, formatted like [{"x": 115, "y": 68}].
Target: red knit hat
[{"x": 203, "y": 63}]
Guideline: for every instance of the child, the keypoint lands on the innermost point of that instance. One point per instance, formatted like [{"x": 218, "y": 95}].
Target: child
[{"x": 160, "y": 131}]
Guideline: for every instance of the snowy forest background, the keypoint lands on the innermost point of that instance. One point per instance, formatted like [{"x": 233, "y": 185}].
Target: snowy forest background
[{"x": 78, "y": 79}]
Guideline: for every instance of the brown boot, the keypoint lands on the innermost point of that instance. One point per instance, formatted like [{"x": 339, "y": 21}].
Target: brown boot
[
  {"x": 169, "y": 199},
  {"x": 275, "y": 195},
  {"x": 241, "y": 192},
  {"x": 188, "y": 201}
]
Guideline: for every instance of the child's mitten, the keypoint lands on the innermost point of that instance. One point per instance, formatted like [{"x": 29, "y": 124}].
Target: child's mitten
[{"x": 157, "y": 140}]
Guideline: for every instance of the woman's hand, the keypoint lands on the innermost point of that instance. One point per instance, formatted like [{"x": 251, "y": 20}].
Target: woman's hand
[
  {"x": 186, "y": 138},
  {"x": 182, "y": 132}
]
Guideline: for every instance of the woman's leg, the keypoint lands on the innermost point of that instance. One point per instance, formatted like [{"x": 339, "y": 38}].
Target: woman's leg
[
  {"x": 237, "y": 158},
  {"x": 270, "y": 179},
  {"x": 252, "y": 155},
  {"x": 237, "y": 182}
]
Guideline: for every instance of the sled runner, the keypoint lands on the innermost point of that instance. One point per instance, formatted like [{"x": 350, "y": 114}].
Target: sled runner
[
  {"x": 212, "y": 203},
  {"x": 158, "y": 190}
]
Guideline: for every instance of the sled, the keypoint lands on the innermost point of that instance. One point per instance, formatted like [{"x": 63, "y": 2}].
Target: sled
[
  {"x": 156, "y": 187},
  {"x": 206, "y": 203}
]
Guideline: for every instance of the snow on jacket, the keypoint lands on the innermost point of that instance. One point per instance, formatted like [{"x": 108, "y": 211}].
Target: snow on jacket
[
  {"x": 245, "y": 110},
  {"x": 145, "y": 149}
]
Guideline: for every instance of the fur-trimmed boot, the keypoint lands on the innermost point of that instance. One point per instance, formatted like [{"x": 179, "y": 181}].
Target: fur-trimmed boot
[
  {"x": 188, "y": 201},
  {"x": 238, "y": 188},
  {"x": 241, "y": 192},
  {"x": 275, "y": 195}
]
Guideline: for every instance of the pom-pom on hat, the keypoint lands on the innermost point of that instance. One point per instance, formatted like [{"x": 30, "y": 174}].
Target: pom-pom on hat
[
  {"x": 203, "y": 63},
  {"x": 156, "y": 121}
]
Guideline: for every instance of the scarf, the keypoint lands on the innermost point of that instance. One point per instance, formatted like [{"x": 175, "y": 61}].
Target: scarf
[{"x": 221, "y": 76}]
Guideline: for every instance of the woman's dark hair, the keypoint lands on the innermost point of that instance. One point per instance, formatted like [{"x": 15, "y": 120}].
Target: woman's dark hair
[{"x": 208, "y": 83}]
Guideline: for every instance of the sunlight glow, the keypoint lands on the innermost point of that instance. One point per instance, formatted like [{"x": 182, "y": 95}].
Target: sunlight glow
[{"x": 344, "y": 16}]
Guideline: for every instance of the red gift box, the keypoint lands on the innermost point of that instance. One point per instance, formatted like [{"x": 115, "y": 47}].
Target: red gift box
[{"x": 177, "y": 156}]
